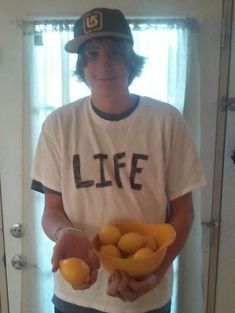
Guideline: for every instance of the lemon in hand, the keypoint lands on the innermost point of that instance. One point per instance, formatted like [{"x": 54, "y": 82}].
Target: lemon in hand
[
  {"x": 109, "y": 234},
  {"x": 75, "y": 271}
]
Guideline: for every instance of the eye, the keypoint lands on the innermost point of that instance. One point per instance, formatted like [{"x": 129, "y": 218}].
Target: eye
[
  {"x": 115, "y": 54},
  {"x": 91, "y": 54}
]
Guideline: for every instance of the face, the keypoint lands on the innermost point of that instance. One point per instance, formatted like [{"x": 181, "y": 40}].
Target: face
[{"x": 105, "y": 71}]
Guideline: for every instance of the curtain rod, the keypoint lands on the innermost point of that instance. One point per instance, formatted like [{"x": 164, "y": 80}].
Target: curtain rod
[
  {"x": 142, "y": 20},
  {"x": 29, "y": 27}
]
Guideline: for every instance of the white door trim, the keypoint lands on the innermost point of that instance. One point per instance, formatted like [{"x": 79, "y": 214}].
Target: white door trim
[{"x": 4, "y": 303}]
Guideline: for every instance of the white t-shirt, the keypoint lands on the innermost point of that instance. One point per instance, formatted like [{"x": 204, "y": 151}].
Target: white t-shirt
[{"x": 116, "y": 170}]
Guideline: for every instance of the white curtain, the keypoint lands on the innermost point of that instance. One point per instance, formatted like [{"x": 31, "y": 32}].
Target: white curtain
[{"x": 50, "y": 83}]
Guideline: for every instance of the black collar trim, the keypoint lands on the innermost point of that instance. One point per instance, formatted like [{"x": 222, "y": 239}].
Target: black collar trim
[{"x": 119, "y": 116}]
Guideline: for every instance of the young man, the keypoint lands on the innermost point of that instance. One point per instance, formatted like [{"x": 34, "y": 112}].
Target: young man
[{"x": 113, "y": 156}]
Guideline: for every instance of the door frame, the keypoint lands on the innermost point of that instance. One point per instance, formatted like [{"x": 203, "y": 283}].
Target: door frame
[
  {"x": 222, "y": 109},
  {"x": 12, "y": 93},
  {"x": 4, "y": 301}
]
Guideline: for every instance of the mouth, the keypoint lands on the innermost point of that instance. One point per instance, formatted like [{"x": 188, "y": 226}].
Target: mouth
[{"x": 104, "y": 79}]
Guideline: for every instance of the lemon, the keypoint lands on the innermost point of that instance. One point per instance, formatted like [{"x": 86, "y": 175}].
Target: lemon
[
  {"x": 75, "y": 271},
  {"x": 131, "y": 242},
  {"x": 109, "y": 234},
  {"x": 110, "y": 250},
  {"x": 143, "y": 253},
  {"x": 151, "y": 243}
]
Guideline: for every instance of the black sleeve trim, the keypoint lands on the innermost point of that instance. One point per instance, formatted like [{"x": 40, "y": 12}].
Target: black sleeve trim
[{"x": 37, "y": 186}]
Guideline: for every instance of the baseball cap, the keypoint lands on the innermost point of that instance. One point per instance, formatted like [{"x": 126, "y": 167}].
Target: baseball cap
[{"x": 99, "y": 22}]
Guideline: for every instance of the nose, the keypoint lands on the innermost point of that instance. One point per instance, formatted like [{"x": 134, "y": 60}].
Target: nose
[{"x": 105, "y": 59}]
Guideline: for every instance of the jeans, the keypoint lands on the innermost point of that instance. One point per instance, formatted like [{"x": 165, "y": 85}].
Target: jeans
[{"x": 89, "y": 310}]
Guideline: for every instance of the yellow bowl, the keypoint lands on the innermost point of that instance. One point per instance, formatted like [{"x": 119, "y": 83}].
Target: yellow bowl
[{"x": 164, "y": 234}]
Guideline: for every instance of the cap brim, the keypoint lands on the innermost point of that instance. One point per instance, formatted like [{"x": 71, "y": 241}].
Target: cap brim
[{"x": 74, "y": 45}]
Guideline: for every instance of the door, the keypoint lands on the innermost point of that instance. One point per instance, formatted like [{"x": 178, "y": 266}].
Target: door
[
  {"x": 225, "y": 301},
  {"x": 25, "y": 266}
]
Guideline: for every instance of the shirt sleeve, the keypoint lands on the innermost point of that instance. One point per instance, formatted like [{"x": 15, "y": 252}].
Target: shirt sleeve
[
  {"x": 46, "y": 169},
  {"x": 37, "y": 186},
  {"x": 184, "y": 171}
]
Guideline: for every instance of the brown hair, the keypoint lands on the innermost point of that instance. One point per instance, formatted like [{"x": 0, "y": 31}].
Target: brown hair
[{"x": 133, "y": 61}]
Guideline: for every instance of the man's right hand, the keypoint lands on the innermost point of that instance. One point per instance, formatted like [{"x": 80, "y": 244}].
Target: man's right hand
[{"x": 73, "y": 243}]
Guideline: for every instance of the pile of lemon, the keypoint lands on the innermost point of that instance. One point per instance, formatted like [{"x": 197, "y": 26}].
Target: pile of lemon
[
  {"x": 114, "y": 243},
  {"x": 129, "y": 245}
]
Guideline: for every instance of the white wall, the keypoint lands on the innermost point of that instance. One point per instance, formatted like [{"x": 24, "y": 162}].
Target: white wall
[{"x": 12, "y": 14}]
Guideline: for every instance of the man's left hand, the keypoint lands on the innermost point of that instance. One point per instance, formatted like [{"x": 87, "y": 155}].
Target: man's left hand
[{"x": 129, "y": 289}]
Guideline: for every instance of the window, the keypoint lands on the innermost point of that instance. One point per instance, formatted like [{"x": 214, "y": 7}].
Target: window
[{"x": 163, "y": 43}]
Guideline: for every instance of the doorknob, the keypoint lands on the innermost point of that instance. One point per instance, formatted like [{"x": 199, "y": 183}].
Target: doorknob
[
  {"x": 17, "y": 230},
  {"x": 18, "y": 262}
]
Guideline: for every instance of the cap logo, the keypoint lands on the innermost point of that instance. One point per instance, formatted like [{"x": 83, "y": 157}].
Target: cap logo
[{"x": 92, "y": 22}]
